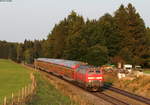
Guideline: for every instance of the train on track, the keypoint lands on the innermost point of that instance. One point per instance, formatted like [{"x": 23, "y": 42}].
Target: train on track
[{"x": 85, "y": 75}]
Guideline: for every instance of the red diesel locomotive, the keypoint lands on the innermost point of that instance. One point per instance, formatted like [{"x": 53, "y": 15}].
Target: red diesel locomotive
[{"x": 88, "y": 76}]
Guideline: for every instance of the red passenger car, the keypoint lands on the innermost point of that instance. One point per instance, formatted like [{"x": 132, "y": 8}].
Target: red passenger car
[{"x": 89, "y": 77}]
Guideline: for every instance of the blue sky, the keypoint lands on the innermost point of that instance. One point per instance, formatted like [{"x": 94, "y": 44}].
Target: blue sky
[{"x": 34, "y": 19}]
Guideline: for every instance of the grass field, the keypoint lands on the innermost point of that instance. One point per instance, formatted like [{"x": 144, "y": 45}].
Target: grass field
[
  {"x": 12, "y": 78},
  {"x": 47, "y": 94}
]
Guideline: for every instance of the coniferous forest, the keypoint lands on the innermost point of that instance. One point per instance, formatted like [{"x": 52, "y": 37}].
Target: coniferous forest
[{"x": 121, "y": 37}]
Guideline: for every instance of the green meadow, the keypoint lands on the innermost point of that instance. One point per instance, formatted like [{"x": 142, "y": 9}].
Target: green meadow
[{"x": 13, "y": 77}]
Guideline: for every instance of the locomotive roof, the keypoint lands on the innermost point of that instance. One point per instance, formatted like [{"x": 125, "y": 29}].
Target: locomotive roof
[{"x": 67, "y": 63}]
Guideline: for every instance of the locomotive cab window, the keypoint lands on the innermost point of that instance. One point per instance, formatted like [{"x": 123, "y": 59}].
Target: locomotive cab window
[
  {"x": 98, "y": 72},
  {"x": 91, "y": 72},
  {"x": 94, "y": 72}
]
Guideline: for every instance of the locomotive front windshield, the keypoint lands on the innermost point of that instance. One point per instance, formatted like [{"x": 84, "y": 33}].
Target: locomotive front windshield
[
  {"x": 82, "y": 69},
  {"x": 88, "y": 69},
  {"x": 94, "y": 72}
]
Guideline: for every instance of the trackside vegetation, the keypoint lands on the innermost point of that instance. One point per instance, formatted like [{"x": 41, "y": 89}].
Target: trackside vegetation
[
  {"x": 147, "y": 71},
  {"x": 47, "y": 94},
  {"x": 139, "y": 86},
  {"x": 13, "y": 77}
]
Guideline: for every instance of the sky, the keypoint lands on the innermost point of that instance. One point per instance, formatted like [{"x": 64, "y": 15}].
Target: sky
[{"x": 34, "y": 19}]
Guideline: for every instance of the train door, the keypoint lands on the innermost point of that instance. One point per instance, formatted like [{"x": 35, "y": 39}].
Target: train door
[
  {"x": 79, "y": 75},
  {"x": 83, "y": 72}
]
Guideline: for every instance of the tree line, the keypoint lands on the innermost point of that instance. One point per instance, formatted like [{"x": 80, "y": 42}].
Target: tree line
[{"x": 121, "y": 37}]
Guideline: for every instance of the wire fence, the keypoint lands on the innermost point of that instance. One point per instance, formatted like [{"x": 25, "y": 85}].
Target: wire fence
[{"x": 22, "y": 95}]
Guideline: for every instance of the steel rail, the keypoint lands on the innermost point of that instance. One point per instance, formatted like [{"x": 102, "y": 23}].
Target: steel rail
[
  {"x": 110, "y": 99},
  {"x": 128, "y": 94}
]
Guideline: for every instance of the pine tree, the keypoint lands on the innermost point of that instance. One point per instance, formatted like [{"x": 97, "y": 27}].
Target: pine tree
[
  {"x": 132, "y": 29},
  {"x": 111, "y": 35},
  {"x": 19, "y": 52},
  {"x": 75, "y": 24},
  {"x": 57, "y": 39}
]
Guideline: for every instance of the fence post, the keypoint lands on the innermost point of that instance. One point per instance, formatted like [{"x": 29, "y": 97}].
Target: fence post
[
  {"x": 22, "y": 93},
  {"x": 29, "y": 89},
  {"x": 5, "y": 100},
  {"x": 25, "y": 91},
  {"x": 32, "y": 88},
  {"x": 19, "y": 95},
  {"x": 12, "y": 96}
]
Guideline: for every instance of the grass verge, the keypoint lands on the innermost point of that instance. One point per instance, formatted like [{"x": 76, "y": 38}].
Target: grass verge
[
  {"x": 47, "y": 94},
  {"x": 12, "y": 78}
]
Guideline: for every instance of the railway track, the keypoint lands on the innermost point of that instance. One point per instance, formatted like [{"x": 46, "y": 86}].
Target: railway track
[
  {"x": 105, "y": 97},
  {"x": 112, "y": 100},
  {"x": 108, "y": 98},
  {"x": 128, "y": 94}
]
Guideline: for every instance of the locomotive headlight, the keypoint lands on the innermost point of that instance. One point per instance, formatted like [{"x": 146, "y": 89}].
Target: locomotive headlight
[
  {"x": 94, "y": 77},
  {"x": 90, "y": 80},
  {"x": 91, "y": 77},
  {"x": 98, "y": 77}
]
